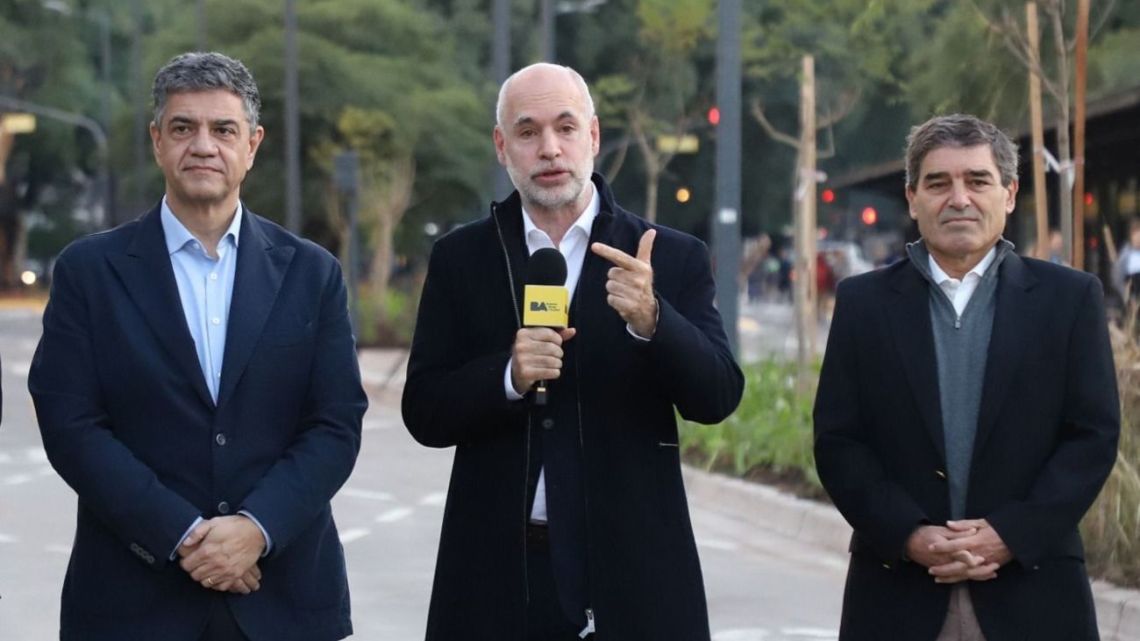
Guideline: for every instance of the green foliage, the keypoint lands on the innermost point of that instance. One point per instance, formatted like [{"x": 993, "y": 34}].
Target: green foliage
[
  {"x": 674, "y": 26},
  {"x": 771, "y": 431},
  {"x": 1111, "y": 529},
  {"x": 386, "y": 320}
]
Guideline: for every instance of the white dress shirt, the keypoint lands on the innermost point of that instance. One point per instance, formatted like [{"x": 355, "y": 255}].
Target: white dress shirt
[
  {"x": 960, "y": 291},
  {"x": 573, "y": 248}
]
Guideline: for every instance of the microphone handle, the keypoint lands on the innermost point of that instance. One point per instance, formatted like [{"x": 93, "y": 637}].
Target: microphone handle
[{"x": 540, "y": 393}]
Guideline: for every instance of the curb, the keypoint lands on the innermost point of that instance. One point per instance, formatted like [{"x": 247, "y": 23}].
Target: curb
[{"x": 763, "y": 507}]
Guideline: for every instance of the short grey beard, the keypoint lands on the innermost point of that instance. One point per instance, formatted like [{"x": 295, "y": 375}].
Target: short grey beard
[{"x": 546, "y": 198}]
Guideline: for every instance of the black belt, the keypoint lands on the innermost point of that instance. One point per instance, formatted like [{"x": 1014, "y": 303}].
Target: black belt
[{"x": 537, "y": 534}]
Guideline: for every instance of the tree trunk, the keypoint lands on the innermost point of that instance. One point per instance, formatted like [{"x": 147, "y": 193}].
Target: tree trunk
[{"x": 391, "y": 201}]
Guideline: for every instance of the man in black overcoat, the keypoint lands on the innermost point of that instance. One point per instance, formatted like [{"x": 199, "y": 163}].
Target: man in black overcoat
[
  {"x": 566, "y": 519},
  {"x": 967, "y": 415}
]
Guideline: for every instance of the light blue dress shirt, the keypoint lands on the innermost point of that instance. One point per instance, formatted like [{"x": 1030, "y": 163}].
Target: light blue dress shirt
[{"x": 205, "y": 287}]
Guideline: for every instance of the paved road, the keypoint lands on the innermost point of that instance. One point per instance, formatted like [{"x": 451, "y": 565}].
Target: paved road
[{"x": 760, "y": 587}]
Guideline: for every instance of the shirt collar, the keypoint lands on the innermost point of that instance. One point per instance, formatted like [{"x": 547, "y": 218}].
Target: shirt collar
[
  {"x": 177, "y": 235},
  {"x": 585, "y": 221},
  {"x": 941, "y": 276}
]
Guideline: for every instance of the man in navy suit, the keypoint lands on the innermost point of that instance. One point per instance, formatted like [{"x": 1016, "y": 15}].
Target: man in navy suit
[
  {"x": 967, "y": 415},
  {"x": 197, "y": 386}
]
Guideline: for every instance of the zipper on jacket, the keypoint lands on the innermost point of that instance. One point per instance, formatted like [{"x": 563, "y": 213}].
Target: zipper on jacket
[
  {"x": 589, "y": 629},
  {"x": 526, "y": 449}
]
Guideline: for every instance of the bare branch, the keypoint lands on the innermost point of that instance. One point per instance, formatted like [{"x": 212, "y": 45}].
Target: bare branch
[
  {"x": 758, "y": 114},
  {"x": 844, "y": 105},
  {"x": 622, "y": 148}
]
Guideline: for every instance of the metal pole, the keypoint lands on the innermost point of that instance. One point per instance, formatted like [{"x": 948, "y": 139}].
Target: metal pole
[
  {"x": 200, "y": 15},
  {"x": 546, "y": 16},
  {"x": 292, "y": 123},
  {"x": 138, "y": 94},
  {"x": 500, "y": 69},
  {"x": 726, "y": 220},
  {"x": 104, "y": 20}
]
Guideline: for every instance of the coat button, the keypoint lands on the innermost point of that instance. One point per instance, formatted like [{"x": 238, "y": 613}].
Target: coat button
[
  {"x": 220, "y": 439},
  {"x": 940, "y": 474},
  {"x": 223, "y": 508},
  {"x": 547, "y": 423}
]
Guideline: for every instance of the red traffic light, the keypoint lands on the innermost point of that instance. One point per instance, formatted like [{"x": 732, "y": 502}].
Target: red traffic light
[
  {"x": 869, "y": 216},
  {"x": 828, "y": 196},
  {"x": 714, "y": 116}
]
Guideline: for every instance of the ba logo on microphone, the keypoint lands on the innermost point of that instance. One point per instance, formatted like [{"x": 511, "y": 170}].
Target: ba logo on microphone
[{"x": 545, "y": 306}]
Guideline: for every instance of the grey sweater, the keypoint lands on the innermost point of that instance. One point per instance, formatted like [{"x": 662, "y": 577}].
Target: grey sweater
[{"x": 961, "y": 345}]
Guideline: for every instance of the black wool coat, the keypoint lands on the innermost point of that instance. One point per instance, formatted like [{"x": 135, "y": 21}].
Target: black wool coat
[
  {"x": 1046, "y": 440},
  {"x": 615, "y": 404}
]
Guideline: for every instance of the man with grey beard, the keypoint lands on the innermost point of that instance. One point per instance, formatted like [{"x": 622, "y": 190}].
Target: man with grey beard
[{"x": 568, "y": 519}]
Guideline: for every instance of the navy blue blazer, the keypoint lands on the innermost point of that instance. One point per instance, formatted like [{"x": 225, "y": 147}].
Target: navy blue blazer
[{"x": 128, "y": 422}]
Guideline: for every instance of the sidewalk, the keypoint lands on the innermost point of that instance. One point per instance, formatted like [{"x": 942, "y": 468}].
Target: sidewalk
[{"x": 759, "y": 507}]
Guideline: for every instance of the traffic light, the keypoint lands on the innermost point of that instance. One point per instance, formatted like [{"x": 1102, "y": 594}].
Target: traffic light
[
  {"x": 714, "y": 116},
  {"x": 827, "y": 196},
  {"x": 869, "y": 216}
]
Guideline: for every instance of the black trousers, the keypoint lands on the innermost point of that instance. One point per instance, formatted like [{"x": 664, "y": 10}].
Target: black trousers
[
  {"x": 545, "y": 620},
  {"x": 222, "y": 625}
]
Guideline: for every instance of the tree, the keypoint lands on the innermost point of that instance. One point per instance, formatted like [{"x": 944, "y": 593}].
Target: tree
[
  {"x": 37, "y": 171},
  {"x": 657, "y": 92},
  {"x": 378, "y": 77}
]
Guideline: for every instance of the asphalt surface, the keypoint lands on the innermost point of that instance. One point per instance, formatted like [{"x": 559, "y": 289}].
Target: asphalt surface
[{"x": 761, "y": 586}]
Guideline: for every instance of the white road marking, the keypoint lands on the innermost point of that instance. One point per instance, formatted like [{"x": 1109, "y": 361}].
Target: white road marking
[
  {"x": 358, "y": 493},
  {"x": 18, "y": 479},
  {"x": 35, "y": 455},
  {"x": 435, "y": 498},
  {"x": 19, "y": 368},
  {"x": 395, "y": 514},
  {"x": 4, "y": 538},
  {"x": 380, "y": 424},
  {"x": 58, "y": 549},
  {"x": 5, "y": 458},
  {"x": 810, "y": 633},
  {"x": 352, "y": 534},
  {"x": 718, "y": 544},
  {"x": 741, "y": 634}
]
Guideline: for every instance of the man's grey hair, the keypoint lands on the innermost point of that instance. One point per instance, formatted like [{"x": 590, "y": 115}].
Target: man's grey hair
[
  {"x": 205, "y": 71},
  {"x": 500, "y": 105},
  {"x": 959, "y": 130}
]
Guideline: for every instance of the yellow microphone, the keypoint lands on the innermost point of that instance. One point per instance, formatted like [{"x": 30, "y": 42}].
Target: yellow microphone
[{"x": 546, "y": 301}]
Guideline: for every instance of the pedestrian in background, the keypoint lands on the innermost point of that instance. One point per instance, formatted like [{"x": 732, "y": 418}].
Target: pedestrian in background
[
  {"x": 197, "y": 385},
  {"x": 967, "y": 415},
  {"x": 1126, "y": 271},
  {"x": 566, "y": 520}
]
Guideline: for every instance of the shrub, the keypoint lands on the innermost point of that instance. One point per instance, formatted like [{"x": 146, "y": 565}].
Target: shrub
[
  {"x": 1111, "y": 529},
  {"x": 769, "y": 437}
]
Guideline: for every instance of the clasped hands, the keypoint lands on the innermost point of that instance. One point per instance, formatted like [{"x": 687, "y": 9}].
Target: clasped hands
[
  {"x": 969, "y": 550},
  {"x": 537, "y": 352},
  {"x": 221, "y": 554}
]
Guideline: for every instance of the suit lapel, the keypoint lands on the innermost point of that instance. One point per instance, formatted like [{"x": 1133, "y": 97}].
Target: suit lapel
[
  {"x": 1015, "y": 303},
  {"x": 909, "y": 316},
  {"x": 148, "y": 277},
  {"x": 261, "y": 268}
]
